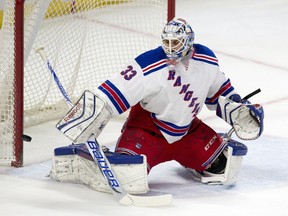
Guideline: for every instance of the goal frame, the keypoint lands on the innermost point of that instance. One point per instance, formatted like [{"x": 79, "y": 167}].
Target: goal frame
[
  {"x": 19, "y": 83},
  {"x": 19, "y": 77}
]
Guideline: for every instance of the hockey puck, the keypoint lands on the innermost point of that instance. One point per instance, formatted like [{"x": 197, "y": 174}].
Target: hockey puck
[{"x": 26, "y": 138}]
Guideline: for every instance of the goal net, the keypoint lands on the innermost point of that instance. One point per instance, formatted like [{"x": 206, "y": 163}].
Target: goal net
[{"x": 85, "y": 40}]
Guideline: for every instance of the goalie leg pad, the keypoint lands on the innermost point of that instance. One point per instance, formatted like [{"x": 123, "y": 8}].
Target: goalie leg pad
[
  {"x": 74, "y": 164},
  {"x": 88, "y": 116},
  {"x": 228, "y": 168}
]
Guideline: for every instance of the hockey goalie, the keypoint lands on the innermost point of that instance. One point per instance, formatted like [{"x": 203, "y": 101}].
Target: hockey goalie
[{"x": 165, "y": 89}]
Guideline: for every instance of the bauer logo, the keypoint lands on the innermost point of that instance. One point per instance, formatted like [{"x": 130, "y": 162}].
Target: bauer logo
[
  {"x": 71, "y": 114},
  {"x": 103, "y": 165}
]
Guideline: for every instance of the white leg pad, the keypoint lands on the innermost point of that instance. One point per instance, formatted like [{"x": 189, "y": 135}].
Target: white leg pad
[
  {"x": 230, "y": 174},
  {"x": 76, "y": 169}
]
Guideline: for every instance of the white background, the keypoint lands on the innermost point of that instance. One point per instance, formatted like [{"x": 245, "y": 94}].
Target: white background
[{"x": 250, "y": 39}]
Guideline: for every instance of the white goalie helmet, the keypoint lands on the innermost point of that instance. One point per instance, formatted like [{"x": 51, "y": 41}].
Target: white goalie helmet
[{"x": 177, "y": 38}]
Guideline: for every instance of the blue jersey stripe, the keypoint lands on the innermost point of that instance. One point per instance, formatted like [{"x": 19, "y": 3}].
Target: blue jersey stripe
[
  {"x": 204, "y": 54},
  {"x": 154, "y": 69},
  {"x": 205, "y": 60},
  {"x": 115, "y": 96}
]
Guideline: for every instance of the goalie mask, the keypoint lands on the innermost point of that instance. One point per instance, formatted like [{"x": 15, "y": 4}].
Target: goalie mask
[{"x": 177, "y": 39}]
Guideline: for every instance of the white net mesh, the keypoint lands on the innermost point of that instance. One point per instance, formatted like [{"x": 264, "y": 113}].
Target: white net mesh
[
  {"x": 7, "y": 94},
  {"x": 85, "y": 41}
]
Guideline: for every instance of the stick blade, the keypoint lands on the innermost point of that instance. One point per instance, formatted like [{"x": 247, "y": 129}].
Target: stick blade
[{"x": 146, "y": 201}]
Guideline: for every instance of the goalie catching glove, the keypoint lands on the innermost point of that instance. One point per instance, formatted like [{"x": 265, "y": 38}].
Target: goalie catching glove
[
  {"x": 246, "y": 119},
  {"x": 88, "y": 116}
]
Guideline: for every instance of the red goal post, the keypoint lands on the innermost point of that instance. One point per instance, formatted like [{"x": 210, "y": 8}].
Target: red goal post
[{"x": 85, "y": 40}]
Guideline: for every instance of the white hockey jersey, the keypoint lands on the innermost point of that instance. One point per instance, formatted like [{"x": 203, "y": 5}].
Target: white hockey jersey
[{"x": 173, "y": 95}]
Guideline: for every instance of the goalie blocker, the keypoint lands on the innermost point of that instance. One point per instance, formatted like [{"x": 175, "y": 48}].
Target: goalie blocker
[{"x": 80, "y": 122}]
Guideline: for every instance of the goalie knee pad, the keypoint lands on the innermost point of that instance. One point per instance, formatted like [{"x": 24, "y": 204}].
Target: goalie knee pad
[
  {"x": 74, "y": 164},
  {"x": 225, "y": 169}
]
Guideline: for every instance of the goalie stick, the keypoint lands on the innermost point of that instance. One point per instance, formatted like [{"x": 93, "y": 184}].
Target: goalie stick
[
  {"x": 251, "y": 94},
  {"x": 102, "y": 162}
]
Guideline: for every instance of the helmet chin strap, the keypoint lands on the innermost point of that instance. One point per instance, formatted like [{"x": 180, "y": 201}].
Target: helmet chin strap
[{"x": 174, "y": 60}]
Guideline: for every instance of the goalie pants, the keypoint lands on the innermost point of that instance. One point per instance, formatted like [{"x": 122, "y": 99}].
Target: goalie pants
[{"x": 196, "y": 150}]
